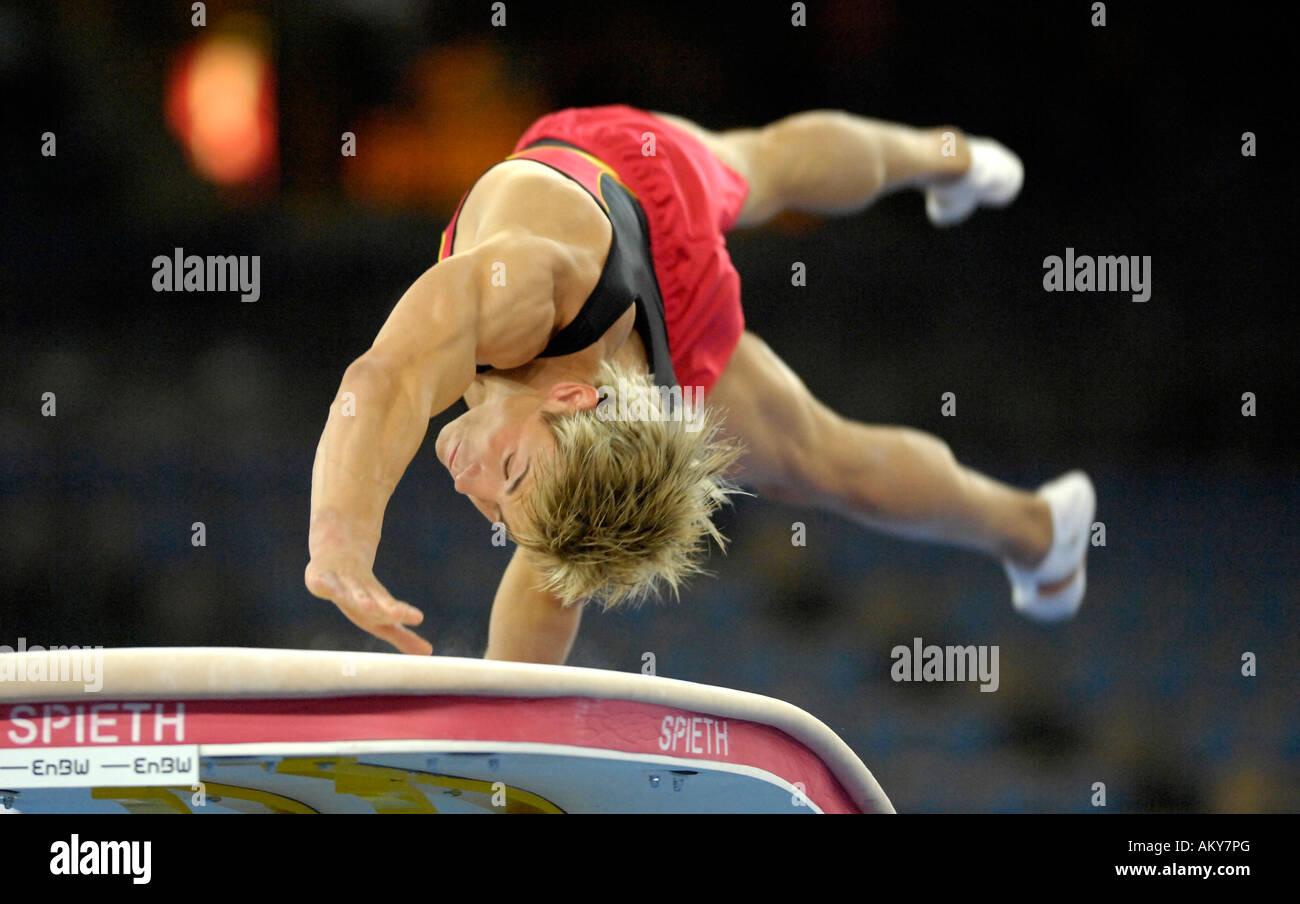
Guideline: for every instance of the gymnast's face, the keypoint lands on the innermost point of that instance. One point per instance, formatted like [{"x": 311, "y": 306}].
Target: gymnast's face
[{"x": 492, "y": 450}]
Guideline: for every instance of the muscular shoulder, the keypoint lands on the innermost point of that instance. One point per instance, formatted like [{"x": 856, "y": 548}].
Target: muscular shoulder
[
  {"x": 529, "y": 196},
  {"x": 538, "y": 251}
]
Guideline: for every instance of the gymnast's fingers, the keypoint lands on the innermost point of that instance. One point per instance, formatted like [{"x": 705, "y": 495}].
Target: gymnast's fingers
[
  {"x": 406, "y": 640},
  {"x": 393, "y": 609},
  {"x": 370, "y": 602}
]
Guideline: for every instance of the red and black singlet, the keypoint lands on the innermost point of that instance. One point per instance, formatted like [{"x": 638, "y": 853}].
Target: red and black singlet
[{"x": 628, "y": 277}]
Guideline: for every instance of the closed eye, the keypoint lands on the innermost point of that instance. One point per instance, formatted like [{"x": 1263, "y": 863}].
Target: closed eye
[{"x": 520, "y": 479}]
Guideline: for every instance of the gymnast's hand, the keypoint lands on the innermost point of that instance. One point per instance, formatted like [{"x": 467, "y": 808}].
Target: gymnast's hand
[{"x": 345, "y": 578}]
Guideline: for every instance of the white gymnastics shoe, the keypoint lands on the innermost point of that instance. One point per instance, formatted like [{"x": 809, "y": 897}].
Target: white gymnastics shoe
[
  {"x": 993, "y": 180},
  {"x": 1073, "y": 502}
]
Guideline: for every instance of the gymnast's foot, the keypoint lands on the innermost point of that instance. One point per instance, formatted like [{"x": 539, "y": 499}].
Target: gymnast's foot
[
  {"x": 1052, "y": 590},
  {"x": 993, "y": 180}
]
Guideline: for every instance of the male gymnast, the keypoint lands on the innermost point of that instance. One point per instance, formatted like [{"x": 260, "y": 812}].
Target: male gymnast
[{"x": 593, "y": 261}]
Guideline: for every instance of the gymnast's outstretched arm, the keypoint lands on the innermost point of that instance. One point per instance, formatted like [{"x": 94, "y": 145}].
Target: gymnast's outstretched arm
[{"x": 421, "y": 362}]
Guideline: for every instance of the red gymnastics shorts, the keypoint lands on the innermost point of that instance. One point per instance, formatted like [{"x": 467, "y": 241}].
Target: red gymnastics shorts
[{"x": 690, "y": 200}]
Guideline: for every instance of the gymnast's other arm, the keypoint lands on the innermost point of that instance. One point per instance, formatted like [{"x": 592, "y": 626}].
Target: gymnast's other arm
[
  {"x": 421, "y": 362},
  {"x": 528, "y": 623}
]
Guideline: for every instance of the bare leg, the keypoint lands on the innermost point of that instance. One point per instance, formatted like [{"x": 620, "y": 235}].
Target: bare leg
[
  {"x": 895, "y": 479},
  {"x": 830, "y": 162},
  {"x": 909, "y": 483}
]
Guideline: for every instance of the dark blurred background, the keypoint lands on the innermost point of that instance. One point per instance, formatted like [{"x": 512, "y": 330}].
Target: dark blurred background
[{"x": 176, "y": 408}]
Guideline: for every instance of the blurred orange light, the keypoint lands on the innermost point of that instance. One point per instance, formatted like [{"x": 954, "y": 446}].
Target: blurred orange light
[
  {"x": 467, "y": 114},
  {"x": 221, "y": 105}
]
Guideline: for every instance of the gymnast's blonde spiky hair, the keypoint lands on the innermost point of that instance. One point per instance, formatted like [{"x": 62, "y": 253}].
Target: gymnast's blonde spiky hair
[{"x": 625, "y": 505}]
